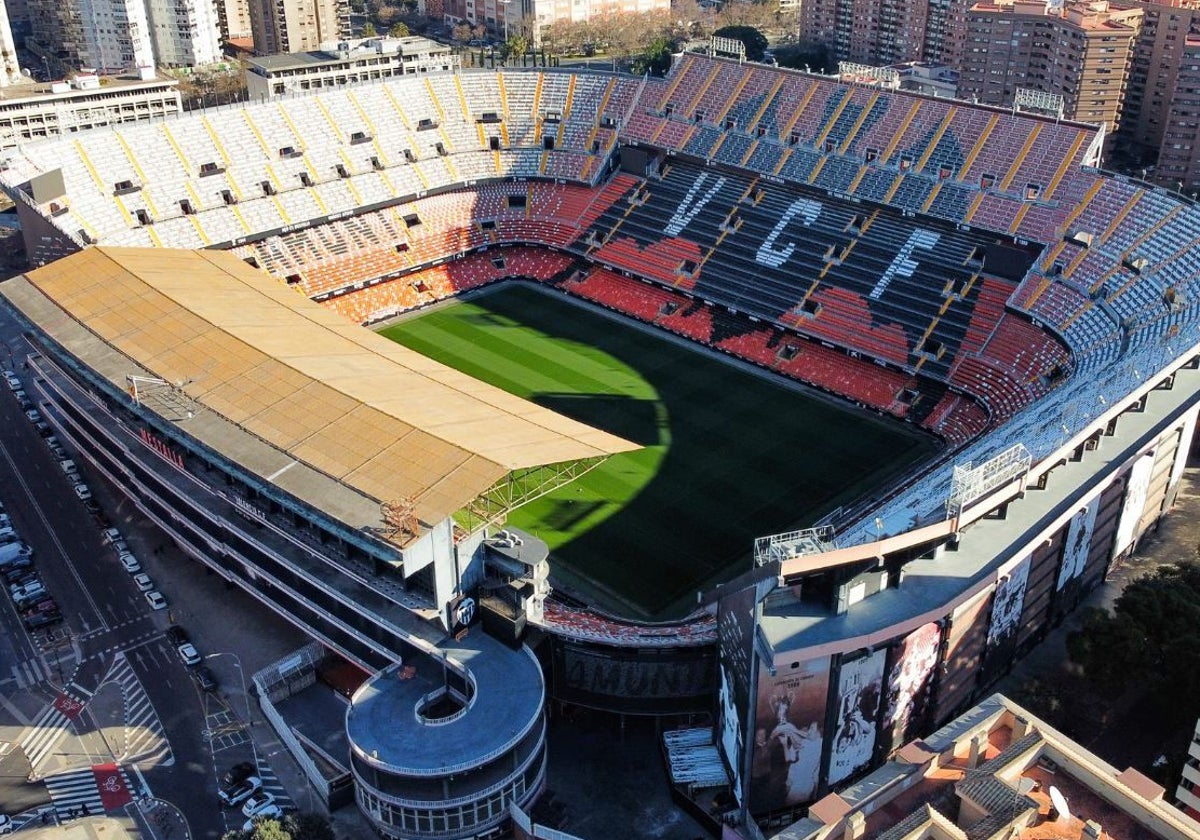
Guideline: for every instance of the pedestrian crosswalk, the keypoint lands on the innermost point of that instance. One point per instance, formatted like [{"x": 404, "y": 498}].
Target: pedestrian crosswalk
[
  {"x": 145, "y": 741},
  {"x": 29, "y": 673},
  {"x": 77, "y": 792},
  {"x": 43, "y": 735}
]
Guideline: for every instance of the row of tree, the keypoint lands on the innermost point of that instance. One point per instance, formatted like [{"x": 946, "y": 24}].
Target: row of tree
[{"x": 291, "y": 827}]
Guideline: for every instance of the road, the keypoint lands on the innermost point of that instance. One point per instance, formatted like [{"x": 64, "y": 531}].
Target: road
[{"x": 106, "y": 686}]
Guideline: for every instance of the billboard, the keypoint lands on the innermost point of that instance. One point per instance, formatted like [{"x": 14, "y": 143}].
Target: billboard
[
  {"x": 1135, "y": 501},
  {"x": 1183, "y": 450},
  {"x": 910, "y": 686},
  {"x": 860, "y": 689},
  {"x": 1077, "y": 543},
  {"x": 788, "y": 733},
  {"x": 1007, "y": 604},
  {"x": 735, "y": 634}
]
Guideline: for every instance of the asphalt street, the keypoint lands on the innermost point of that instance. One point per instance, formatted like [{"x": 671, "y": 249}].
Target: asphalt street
[{"x": 106, "y": 686}]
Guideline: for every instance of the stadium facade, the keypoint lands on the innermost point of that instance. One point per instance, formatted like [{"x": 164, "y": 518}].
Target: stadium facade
[{"x": 963, "y": 269}]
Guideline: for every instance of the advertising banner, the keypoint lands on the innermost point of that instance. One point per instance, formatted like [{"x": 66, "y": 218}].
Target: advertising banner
[
  {"x": 788, "y": 734},
  {"x": 860, "y": 689}
]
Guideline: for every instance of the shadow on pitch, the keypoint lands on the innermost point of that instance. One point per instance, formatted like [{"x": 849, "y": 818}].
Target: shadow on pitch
[{"x": 627, "y": 417}]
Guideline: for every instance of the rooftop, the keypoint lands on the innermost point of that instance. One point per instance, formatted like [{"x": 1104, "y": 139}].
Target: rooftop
[
  {"x": 378, "y": 418},
  {"x": 996, "y": 771},
  {"x": 385, "y": 722},
  {"x": 33, "y": 91},
  {"x": 346, "y": 52}
]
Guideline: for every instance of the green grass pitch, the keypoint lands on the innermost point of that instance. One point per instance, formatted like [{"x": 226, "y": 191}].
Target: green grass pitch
[{"x": 728, "y": 455}]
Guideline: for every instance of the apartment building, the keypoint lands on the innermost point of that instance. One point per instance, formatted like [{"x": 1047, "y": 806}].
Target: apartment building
[
  {"x": 185, "y": 33},
  {"x": 508, "y": 17},
  {"x": 1082, "y": 52},
  {"x": 1179, "y": 150},
  {"x": 1188, "y": 794},
  {"x": 294, "y": 26},
  {"x": 1154, "y": 79},
  {"x": 10, "y": 70},
  {"x": 875, "y": 32},
  {"x": 233, "y": 19},
  {"x": 120, "y": 36}
]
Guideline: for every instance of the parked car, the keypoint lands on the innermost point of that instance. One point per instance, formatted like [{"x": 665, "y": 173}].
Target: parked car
[
  {"x": 82, "y": 491},
  {"x": 271, "y": 812},
  {"x": 6, "y": 824},
  {"x": 68, "y": 466},
  {"x": 204, "y": 678},
  {"x": 34, "y": 415},
  {"x": 142, "y": 582},
  {"x": 43, "y": 428},
  {"x": 257, "y": 803},
  {"x": 156, "y": 600},
  {"x": 239, "y": 792},
  {"x": 110, "y": 535},
  {"x": 40, "y": 620},
  {"x": 176, "y": 635},
  {"x": 46, "y": 605},
  {"x": 13, "y": 549},
  {"x": 188, "y": 654},
  {"x": 238, "y": 772},
  {"x": 30, "y": 577},
  {"x": 130, "y": 563},
  {"x": 17, "y": 561},
  {"x": 7, "y": 535},
  {"x": 29, "y": 593},
  {"x": 20, "y": 575}
]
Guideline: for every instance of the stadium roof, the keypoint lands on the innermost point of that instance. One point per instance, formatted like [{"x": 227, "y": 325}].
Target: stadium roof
[{"x": 380, "y": 418}]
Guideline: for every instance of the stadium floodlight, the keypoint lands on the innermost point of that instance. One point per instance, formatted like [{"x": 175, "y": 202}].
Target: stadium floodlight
[
  {"x": 780, "y": 547},
  {"x": 1027, "y": 99},
  {"x": 968, "y": 482},
  {"x": 727, "y": 46}
]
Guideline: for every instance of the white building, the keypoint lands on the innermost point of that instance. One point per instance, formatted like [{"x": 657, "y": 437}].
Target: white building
[
  {"x": 345, "y": 62},
  {"x": 184, "y": 32},
  {"x": 34, "y": 111},
  {"x": 10, "y": 71},
  {"x": 1188, "y": 794},
  {"x": 116, "y": 35}
]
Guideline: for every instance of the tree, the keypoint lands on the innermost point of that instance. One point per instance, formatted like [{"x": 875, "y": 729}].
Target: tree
[
  {"x": 308, "y": 827},
  {"x": 656, "y": 60},
  {"x": 516, "y": 46},
  {"x": 399, "y": 30},
  {"x": 461, "y": 33},
  {"x": 754, "y": 41},
  {"x": 814, "y": 57},
  {"x": 368, "y": 30},
  {"x": 1150, "y": 642}
]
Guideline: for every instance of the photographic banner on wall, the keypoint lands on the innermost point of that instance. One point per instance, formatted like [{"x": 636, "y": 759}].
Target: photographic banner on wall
[
  {"x": 910, "y": 686},
  {"x": 1135, "y": 501},
  {"x": 735, "y": 634},
  {"x": 860, "y": 689},
  {"x": 788, "y": 733},
  {"x": 1008, "y": 605},
  {"x": 1077, "y": 543}
]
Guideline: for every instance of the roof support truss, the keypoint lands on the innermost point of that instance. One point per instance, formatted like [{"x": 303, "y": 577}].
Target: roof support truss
[{"x": 521, "y": 487}]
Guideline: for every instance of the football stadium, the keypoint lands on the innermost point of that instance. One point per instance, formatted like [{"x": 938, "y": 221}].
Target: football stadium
[{"x": 790, "y": 402}]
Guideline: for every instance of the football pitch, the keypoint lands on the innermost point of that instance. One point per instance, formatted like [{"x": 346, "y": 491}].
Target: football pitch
[{"x": 727, "y": 455}]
